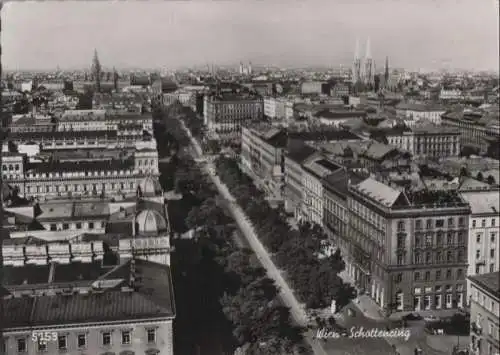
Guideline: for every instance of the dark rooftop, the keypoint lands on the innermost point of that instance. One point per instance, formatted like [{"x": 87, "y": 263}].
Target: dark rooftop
[
  {"x": 77, "y": 271},
  {"x": 28, "y": 274},
  {"x": 490, "y": 282},
  {"x": 62, "y": 134},
  {"x": 152, "y": 296},
  {"x": 299, "y": 155},
  {"x": 331, "y": 135},
  {"x": 58, "y": 166}
]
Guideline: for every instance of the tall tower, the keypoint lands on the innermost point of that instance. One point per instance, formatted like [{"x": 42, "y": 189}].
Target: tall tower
[
  {"x": 386, "y": 72},
  {"x": 368, "y": 67},
  {"x": 96, "y": 71},
  {"x": 241, "y": 68},
  {"x": 356, "y": 65},
  {"x": 115, "y": 79}
]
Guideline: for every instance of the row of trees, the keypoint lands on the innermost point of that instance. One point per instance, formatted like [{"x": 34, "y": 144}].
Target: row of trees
[
  {"x": 249, "y": 299},
  {"x": 315, "y": 279}
]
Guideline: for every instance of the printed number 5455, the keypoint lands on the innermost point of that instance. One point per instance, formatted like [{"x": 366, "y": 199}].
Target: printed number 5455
[{"x": 44, "y": 336}]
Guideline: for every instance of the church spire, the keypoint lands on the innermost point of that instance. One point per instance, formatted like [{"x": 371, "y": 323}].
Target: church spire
[
  {"x": 96, "y": 71},
  {"x": 386, "y": 73}
]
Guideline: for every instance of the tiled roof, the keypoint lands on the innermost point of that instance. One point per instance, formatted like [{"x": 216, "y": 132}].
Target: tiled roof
[
  {"x": 490, "y": 282},
  {"x": 302, "y": 154},
  {"x": 330, "y": 135},
  {"x": 483, "y": 202},
  {"x": 152, "y": 296},
  {"x": 379, "y": 191},
  {"x": 378, "y": 150}
]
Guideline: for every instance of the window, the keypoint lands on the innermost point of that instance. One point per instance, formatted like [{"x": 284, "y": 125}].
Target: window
[
  {"x": 478, "y": 238},
  {"x": 106, "y": 338},
  {"x": 493, "y": 222},
  {"x": 418, "y": 224},
  {"x": 151, "y": 335},
  {"x": 483, "y": 223},
  {"x": 492, "y": 253},
  {"x": 492, "y": 267},
  {"x": 401, "y": 242},
  {"x": 21, "y": 345},
  {"x": 78, "y": 225},
  {"x": 449, "y": 256},
  {"x": 478, "y": 254},
  {"x": 42, "y": 346},
  {"x": 461, "y": 222},
  {"x": 439, "y": 238},
  {"x": 427, "y": 275},
  {"x": 461, "y": 256},
  {"x": 450, "y": 222},
  {"x": 478, "y": 269},
  {"x": 448, "y": 274},
  {"x": 428, "y": 258},
  {"x": 417, "y": 276},
  {"x": 418, "y": 258},
  {"x": 400, "y": 259},
  {"x": 428, "y": 240},
  {"x": 429, "y": 223},
  {"x": 439, "y": 223},
  {"x": 438, "y": 275},
  {"x": 401, "y": 226},
  {"x": 473, "y": 223},
  {"x": 439, "y": 257},
  {"x": 460, "y": 274},
  {"x": 61, "y": 341},
  {"x": 82, "y": 341},
  {"x": 65, "y": 226},
  {"x": 91, "y": 225},
  {"x": 493, "y": 237},
  {"x": 125, "y": 337},
  {"x": 449, "y": 238},
  {"x": 53, "y": 227}
]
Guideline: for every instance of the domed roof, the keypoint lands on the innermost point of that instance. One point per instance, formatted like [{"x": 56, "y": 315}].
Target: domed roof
[
  {"x": 150, "y": 221},
  {"x": 150, "y": 186}
]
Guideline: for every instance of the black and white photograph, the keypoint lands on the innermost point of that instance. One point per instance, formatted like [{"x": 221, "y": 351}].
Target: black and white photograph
[{"x": 224, "y": 177}]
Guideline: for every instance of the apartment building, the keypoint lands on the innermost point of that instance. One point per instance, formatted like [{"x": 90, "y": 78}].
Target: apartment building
[
  {"x": 88, "y": 308},
  {"x": 312, "y": 87},
  {"x": 335, "y": 118},
  {"x": 32, "y": 123},
  {"x": 125, "y": 123},
  {"x": 224, "y": 115},
  {"x": 413, "y": 113},
  {"x": 275, "y": 107},
  {"x": 293, "y": 178},
  {"x": 485, "y": 314},
  {"x": 484, "y": 228},
  {"x": 478, "y": 129},
  {"x": 120, "y": 175},
  {"x": 408, "y": 250},
  {"x": 262, "y": 156},
  {"x": 450, "y": 94}
]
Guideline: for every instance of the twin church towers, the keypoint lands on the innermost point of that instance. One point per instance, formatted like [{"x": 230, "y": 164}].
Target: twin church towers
[{"x": 363, "y": 69}]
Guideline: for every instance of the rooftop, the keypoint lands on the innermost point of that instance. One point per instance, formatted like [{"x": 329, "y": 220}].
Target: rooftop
[
  {"x": 489, "y": 282},
  {"x": 330, "y": 135},
  {"x": 487, "y": 202},
  {"x": 80, "y": 166},
  {"x": 151, "y": 297},
  {"x": 77, "y": 135}
]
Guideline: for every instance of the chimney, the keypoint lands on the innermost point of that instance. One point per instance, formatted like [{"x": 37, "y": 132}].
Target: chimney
[{"x": 132, "y": 273}]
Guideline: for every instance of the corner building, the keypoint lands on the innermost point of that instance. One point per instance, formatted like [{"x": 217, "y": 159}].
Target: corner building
[{"x": 408, "y": 250}]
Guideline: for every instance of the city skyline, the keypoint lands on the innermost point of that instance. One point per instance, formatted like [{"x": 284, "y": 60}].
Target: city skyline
[{"x": 170, "y": 35}]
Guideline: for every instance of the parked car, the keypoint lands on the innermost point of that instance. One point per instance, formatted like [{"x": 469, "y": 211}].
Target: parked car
[
  {"x": 431, "y": 318},
  {"x": 412, "y": 316}
]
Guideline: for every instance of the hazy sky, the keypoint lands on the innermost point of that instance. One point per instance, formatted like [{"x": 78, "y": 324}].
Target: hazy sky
[{"x": 414, "y": 34}]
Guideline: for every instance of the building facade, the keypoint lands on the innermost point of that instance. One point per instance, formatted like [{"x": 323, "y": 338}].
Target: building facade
[
  {"x": 224, "y": 116},
  {"x": 262, "y": 156},
  {"x": 408, "y": 250},
  {"x": 484, "y": 224},
  {"x": 485, "y": 314}
]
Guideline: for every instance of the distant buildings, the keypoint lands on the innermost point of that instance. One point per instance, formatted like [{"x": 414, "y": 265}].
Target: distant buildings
[
  {"x": 413, "y": 114},
  {"x": 484, "y": 314},
  {"x": 225, "y": 115},
  {"x": 478, "y": 129}
]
